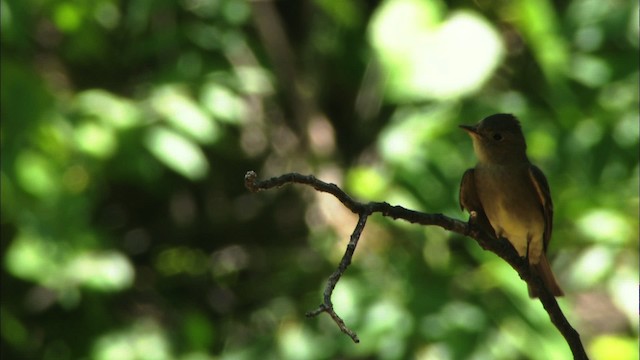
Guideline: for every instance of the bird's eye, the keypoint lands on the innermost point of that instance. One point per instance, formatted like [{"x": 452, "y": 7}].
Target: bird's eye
[{"x": 497, "y": 137}]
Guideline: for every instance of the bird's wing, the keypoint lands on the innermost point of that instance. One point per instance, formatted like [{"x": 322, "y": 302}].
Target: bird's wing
[
  {"x": 468, "y": 195},
  {"x": 470, "y": 201},
  {"x": 544, "y": 195}
]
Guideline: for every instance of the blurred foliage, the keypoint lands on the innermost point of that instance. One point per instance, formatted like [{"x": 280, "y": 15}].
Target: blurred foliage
[{"x": 127, "y": 127}]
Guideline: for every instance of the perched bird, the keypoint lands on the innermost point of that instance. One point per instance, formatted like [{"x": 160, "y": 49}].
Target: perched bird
[{"x": 509, "y": 196}]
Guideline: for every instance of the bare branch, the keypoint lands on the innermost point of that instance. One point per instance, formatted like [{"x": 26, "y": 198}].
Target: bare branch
[
  {"x": 500, "y": 247},
  {"x": 327, "y": 305}
]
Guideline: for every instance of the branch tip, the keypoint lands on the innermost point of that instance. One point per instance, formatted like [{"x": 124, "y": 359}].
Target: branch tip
[
  {"x": 336, "y": 318},
  {"x": 250, "y": 181}
]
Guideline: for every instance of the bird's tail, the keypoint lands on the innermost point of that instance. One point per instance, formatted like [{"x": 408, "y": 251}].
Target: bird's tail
[{"x": 543, "y": 270}]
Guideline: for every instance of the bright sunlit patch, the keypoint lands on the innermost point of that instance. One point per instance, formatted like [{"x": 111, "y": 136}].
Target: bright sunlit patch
[
  {"x": 590, "y": 70},
  {"x": 464, "y": 316},
  {"x": 229, "y": 260},
  {"x": 395, "y": 146},
  {"x": 389, "y": 323},
  {"x": 177, "y": 153},
  {"x": 428, "y": 59},
  {"x": 46, "y": 262},
  {"x": 388, "y": 317},
  {"x": 96, "y": 139},
  {"x": 605, "y": 225},
  {"x": 30, "y": 257},
  {"x": 626, "y": 132},
  {"x": 513, "y": 102},
  {"x": 184, "y": 114},
  {"x": 296, "y": 342},
  {"x": 254, "y": 80},
  {"x": 367, "y": 182},
  {"x": 145, "y": 340},
  {"x": 589, "y": 38},
  {"x": 624, "y": 290},
  {"x": 434, "y": 351},
  {"x": 104, "y": 271},
  {"x": 541, "y": 144},
  {"x": 587, "y": 133},
  {"x": 592, "y": 266},
  {"x": 404, "y": 141},
  {"x": 68, "y": 16},
  {"x": 614, "y": 347},
  {"x": 621, "y": 97},
  {"x": 223, "y": 103},
  {"x": 36, "y": 175},
  {"x": 345, "y": 298},
  {"x": 113, "y": 110}
]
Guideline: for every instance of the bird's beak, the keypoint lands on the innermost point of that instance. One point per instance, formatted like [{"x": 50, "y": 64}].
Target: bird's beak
[{"x": 471, "y": 129}]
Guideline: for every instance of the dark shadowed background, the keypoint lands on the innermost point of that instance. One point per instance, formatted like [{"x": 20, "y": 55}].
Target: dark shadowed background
[{"x": 127, "y": 128}]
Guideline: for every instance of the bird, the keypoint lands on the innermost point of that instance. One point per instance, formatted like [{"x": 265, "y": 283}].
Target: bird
[{"x": 508, "y": 196}]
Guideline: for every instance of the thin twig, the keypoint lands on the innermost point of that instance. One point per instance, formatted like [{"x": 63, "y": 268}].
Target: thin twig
[
  {"x": 327, "y": 305},
  {"x": 500, "y": 247}
]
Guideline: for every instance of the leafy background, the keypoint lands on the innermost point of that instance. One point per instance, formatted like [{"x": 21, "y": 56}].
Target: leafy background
[{"x": 127, "y": 127}]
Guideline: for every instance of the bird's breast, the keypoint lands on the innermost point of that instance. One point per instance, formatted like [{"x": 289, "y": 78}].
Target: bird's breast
[{"x": 511, "y": 204}]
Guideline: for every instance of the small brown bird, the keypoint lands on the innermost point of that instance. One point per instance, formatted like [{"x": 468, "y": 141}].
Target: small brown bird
[{"x": 508, "y": 194}]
